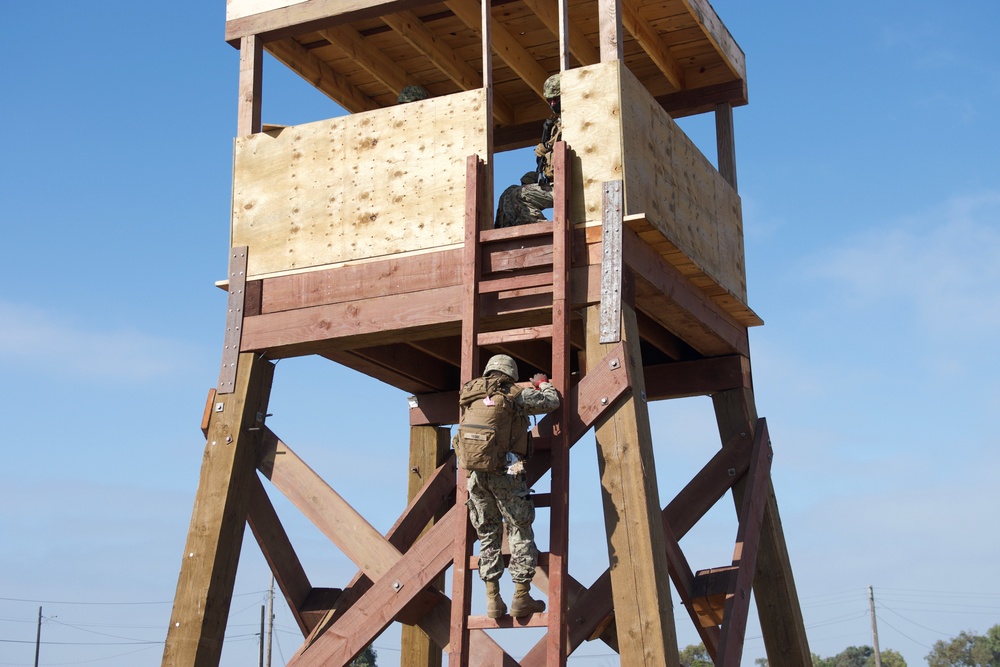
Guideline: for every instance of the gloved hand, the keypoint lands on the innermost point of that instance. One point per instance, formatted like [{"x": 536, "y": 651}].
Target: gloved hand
[
  {"x": 515, "y": 466},
  {"x": 539, "y": 378}
]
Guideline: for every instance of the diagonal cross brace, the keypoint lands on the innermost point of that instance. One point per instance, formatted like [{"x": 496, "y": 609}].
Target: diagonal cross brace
[
  {"x": 734, "y": 619},
  {"x": 597, "y": 392},
  {"x": 712, "y": 482}
]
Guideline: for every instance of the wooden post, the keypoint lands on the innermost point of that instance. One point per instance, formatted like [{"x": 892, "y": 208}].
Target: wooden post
[
  {"x": 636, "y": 546},
  {"x": 610, "y": 30},
  {"x": 725, "y": 137},
  {"x": 429, "y": 447},
  {"x": 773, "y": 585},
  {"x": 212, "y": 552},
  {"x": 251, "y": 78}
]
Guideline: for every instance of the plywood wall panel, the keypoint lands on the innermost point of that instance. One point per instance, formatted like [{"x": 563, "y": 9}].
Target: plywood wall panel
[
  {"x": 357, "y": 187},
  {"x": 591, "y": 115},
  {"x": 680, "y": 192}
]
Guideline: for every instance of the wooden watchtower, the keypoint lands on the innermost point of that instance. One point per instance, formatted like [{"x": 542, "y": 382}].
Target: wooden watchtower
[{"x": 366, "y": 239}]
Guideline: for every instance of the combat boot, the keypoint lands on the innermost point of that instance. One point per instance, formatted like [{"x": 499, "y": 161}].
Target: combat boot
[
  {"x": 495, "y": 606},
  {"x": 523, "y": 604}
]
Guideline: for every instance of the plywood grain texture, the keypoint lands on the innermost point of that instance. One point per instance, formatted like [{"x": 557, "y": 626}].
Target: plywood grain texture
[
  {"x": 360, "y": 186},
  {"x": 679, "y": 191}
]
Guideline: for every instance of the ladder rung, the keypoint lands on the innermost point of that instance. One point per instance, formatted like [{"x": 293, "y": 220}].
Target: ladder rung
[
  {"x": 515, "y": 282},
  {"x": 518, "y": 231},
  {"x": 541, "y": 499},
  {"x": 485, "y": 622},
  {"x": 518, "y": 255},
  {"x": 543, "y": 561},
  {"x": 514, "y": 335}
]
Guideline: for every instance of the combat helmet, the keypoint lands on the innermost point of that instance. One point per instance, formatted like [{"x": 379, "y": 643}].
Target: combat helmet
[
  {"x": 412, "y": 94},
  {"x": 551, "y": 87},
  {"x": 503, "y": 364}
]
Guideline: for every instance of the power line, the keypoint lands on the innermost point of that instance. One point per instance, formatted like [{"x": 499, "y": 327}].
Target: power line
[
  {"x": 79, "y": 602},
  {"x": 904, "y": 634}
]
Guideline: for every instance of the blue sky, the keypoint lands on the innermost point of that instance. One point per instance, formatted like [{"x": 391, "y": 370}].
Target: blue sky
[{"x": 870, "y": 181}]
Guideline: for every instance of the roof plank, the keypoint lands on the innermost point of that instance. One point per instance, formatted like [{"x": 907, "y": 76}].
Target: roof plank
[{"x": 321, "y": 75}]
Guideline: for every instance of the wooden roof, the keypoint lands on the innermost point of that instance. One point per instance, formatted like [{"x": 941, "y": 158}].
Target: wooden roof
[{"x": 362, "y": 53}]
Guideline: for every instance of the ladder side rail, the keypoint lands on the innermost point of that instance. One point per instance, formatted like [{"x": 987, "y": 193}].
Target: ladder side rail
[
  {"x": 458, "y": 651},
  {"x": 559, "y": 505}
]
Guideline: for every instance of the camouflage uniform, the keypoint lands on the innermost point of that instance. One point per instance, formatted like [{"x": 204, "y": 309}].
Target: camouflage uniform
[
  {"x": 412, "y": 94},
  {"x": 523, "y": 204},
  {"x": 498, "y": 498}
]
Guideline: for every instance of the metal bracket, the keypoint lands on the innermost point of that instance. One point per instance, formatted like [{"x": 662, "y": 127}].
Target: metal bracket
[
  {"x": 234, "y": 319},
  {"x": 611, "y": 263}
]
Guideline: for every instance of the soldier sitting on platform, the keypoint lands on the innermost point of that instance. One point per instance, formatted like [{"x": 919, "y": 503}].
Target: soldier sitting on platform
[{"x": 523, "y": 204}]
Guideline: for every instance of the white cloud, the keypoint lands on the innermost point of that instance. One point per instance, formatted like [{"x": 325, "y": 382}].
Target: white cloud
[
  {"x": 941, "y": 267},
  {"x": 36, "y": 339}
]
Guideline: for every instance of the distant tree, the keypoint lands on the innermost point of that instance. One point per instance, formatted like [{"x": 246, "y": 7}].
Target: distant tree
[
  {"x": 852, "y": 656},
  {"x": 860, "y": 656},
  {"x": 967, "y": 650},
  {"x": 992, "y": 646},
  {"x": 760, "y": 662},
  {"x": 366, "y": 658},
  {"x": 890, "y": 658},
  {"x": 695, "y": 655}
]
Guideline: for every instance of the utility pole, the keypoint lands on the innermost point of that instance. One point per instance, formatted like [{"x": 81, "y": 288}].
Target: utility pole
[
  {"x": 38, "y": 636},
  {"x": 270, "y": 622},
  {"x": 260, "y": 659},
  {"x": 871, "y": 602}
]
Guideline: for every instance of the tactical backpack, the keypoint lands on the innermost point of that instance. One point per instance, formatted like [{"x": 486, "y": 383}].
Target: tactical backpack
[{"x": 492, "y": 423}]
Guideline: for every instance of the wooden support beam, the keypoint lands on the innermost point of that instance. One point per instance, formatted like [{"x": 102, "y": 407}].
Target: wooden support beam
[
  {"x": 347, "y": 529},
  {"x": 429, "y": 449},
  {"x": 324, "y": 507},
  {"x": 435, "y": 496},
  {"x": 409, "y": 26},
  {"x": 579, "y": 45},
  {"x": 636, "y": 547},
  {"x": 751, "y": 514},
  {"x": 717, "y": 33},
  {"x": 562, "y": 240},
  {"x": 592, "y": 610},
  {"x": 725, "y": 137},
  {"x": 321, "y": 76},
  {"x": 299, "y": 18},
  {"x": 372, "y": 367},
  {"x": 668, "y": 343},
  {"x": 447, "y": 349},
  {"x": 653, "y": 44},
  {"x": 707, "y": 327},
  {"x": 700, "y": 100},
  {"x": 420, "y": 368},
  {"x": 352, "y": 44},
  {"x": 250, "y": 86},
  {"x": 504, "y": 44},
  {"x": 774, "y": 585},
  {"x": 212, "y": 551},
  {"x": 364, "y": 621},
  {"x": 353, "y": 324},
  {"x": 609, "y": 13},
  {"x": 471, "y": 269},
  {"x": 409, "y": 275},
  {"x": 696, "y": 378},
  {"x": 279, "y": 554},
  {"x": 684, "y": 583}
]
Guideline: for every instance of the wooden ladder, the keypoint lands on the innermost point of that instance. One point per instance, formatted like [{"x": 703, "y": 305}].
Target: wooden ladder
[{"x": 529, "y": 265}]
